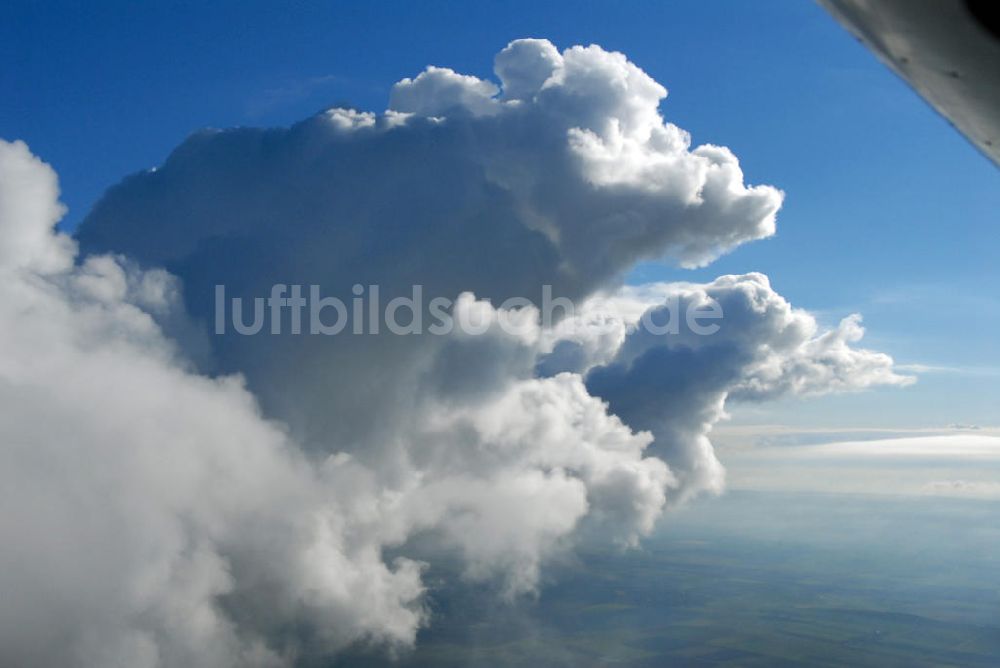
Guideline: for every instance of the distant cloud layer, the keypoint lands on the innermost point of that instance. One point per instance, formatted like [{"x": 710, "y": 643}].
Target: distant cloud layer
[
  {"x": 958, "y": 464},
  {"x": 172, "y": 497}
]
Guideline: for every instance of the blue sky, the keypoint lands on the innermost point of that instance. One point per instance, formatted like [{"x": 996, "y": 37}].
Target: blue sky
[{"x": 888, "y": 211}]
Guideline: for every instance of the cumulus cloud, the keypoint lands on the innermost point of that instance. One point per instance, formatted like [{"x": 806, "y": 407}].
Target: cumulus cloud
[
  {"x": 138, "y": 497},
  {"x": 676, "y": 383},
  {"x": 176, "y": 496}
]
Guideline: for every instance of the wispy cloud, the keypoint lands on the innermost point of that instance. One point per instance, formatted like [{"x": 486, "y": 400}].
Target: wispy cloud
[
  {"x": 291, "y": 92},
  {"x": 960, "y": 370}
]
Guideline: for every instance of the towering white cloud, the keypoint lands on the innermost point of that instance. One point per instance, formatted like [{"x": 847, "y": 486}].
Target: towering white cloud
[
  {"x": 178, "y": 497},
  {"x": 138, "y": 500}
]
